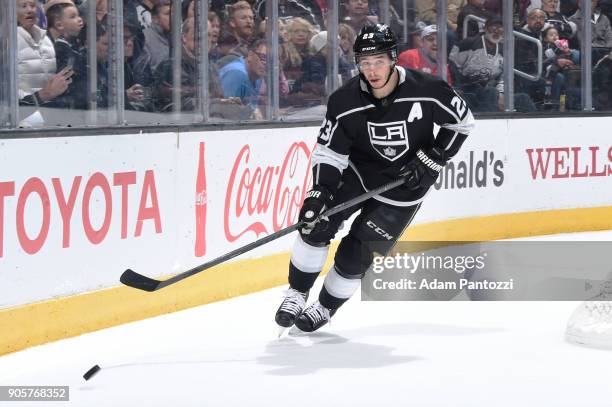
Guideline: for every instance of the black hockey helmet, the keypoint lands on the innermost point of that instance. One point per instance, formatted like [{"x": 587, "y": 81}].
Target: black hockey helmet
[{"x": 375, "y": 39}]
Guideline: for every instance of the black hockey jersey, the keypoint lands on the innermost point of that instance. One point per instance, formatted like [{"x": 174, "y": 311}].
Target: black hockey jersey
[{"x": 377, "y": 137}]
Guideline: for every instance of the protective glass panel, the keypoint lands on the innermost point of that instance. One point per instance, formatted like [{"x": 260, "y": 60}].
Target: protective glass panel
[
  {"x": 170, "y": 48},
  {"x": 561, "y": 47},
  {"x": 475, "y": 35},
  {"x": 419, "y": 48},
  {"x": 238, "y": 61},
  {"x": 303, "y": 60},
  {"x": 5, "y": 65},
  {"x": 601, "y": 54},
  {"x": 53, "y": 69}
]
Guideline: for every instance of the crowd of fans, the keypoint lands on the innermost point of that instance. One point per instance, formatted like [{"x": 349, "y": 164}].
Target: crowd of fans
[
  {"x": 476, "y": 52},
  {"x": 53, "y": 57}
]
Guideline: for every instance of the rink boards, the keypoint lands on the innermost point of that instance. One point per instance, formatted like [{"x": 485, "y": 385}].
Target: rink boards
[{"x": 76, "y": 211}]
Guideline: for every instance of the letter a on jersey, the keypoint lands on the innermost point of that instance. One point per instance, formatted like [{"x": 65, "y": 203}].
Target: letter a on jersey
[{"x": 390, "y": 140}]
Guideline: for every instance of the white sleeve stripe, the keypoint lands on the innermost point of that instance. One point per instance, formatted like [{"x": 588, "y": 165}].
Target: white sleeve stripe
[
  {"x": 357, "y": 109},
  {"x": 452, "y": 140},
  {"x": 325, "y": 155},
  {"x": 464, "y": 126}
]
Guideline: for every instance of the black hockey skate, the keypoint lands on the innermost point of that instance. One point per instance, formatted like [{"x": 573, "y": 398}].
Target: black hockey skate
[
  {"x": 314, "y": 317},
  {"x": 291, "y": 307}
]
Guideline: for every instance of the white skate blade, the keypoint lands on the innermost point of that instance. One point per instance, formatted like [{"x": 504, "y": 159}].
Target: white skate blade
[{"x": 283, "y": 331}]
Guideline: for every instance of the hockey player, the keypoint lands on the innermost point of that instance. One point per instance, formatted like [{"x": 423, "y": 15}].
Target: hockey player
[{"x": 378, "y": 127}]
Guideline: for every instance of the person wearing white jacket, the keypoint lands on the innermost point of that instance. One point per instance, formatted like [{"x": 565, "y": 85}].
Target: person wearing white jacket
[{"x": 39, "y": 84}]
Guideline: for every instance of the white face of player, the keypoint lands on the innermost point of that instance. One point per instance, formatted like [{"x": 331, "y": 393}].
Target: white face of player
[{"x": 376, "y": 69}]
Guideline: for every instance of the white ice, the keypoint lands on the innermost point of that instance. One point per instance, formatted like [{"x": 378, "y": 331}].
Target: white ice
[{"x": 455, "y": 353}]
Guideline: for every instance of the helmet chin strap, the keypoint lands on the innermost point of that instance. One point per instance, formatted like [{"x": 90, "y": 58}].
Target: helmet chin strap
[{"x": 389, "y": 76}]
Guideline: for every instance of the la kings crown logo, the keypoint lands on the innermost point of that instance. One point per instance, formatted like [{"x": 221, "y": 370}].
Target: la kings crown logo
[{"x": 390, "y": 140}]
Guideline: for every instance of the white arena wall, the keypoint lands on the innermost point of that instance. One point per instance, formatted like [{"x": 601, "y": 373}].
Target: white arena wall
[{"x": 77, "y": 211}]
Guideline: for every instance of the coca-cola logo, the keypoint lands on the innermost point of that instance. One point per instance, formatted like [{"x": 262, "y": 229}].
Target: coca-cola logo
[{"x": 265, "y": 198}]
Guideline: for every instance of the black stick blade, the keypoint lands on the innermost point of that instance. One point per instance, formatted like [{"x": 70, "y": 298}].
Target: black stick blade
[{"x": 135, "y": 280}]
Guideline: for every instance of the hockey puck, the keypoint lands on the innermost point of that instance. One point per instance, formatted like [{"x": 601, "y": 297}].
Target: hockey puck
[{"x": 88, "y": 374}]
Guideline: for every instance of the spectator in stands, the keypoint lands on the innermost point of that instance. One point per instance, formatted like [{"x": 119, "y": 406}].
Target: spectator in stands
[
  {"x": 294, "y": 51},
  {"x": 565, "y": 28},
  {"x": 536, "y": 19},
  {"x": 479, "y": 62},
  {"x": 557, "y": 53},
  {"x": 314, "y": 77},
  {"x": 358, "y": 14},
  {"x": 424, "y": 58},
  {"x": 475, "y": 8},
  {"x": 556, "y": 50},
  {"x": 526, "y": 52},
  {"x": 283, "y": 82},
  {"x": 134, "y": 74},
  {"x": 157, "y": 35},
  {"x": 243, "y": 77},
  {"x": 526, "y": 60},
  {"x": 601, "y": 32},
  {"x": 138, "y": 77},
  {"x": 52, "y": 32},
  {"x": 164, "y": 78},
  {"x": 230, "y": 108},
  {"x": 214, "y": 29},
  {"x": 241, "y": 24},
  {"x": 65, "y": 22},
  {"x": 38, "y": 83},
  {"x": 347, "y": 39},
  {"x": 557, "y": 60}
]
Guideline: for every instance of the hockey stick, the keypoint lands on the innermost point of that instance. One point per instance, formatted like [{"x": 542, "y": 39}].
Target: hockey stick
[{"x": 135, "y": 280}]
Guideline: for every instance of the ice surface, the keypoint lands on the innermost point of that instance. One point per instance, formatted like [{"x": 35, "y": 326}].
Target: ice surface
[{"x": 373, "y": 354}]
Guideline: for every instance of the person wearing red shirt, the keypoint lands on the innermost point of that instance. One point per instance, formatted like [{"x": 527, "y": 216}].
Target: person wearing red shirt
[{"x": 424, "y": 58}]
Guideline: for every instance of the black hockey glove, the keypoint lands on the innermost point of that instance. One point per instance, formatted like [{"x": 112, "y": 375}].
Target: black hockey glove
[
  {"x": 315, "y": 203},
  {"x": 423, "y": 170}
]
